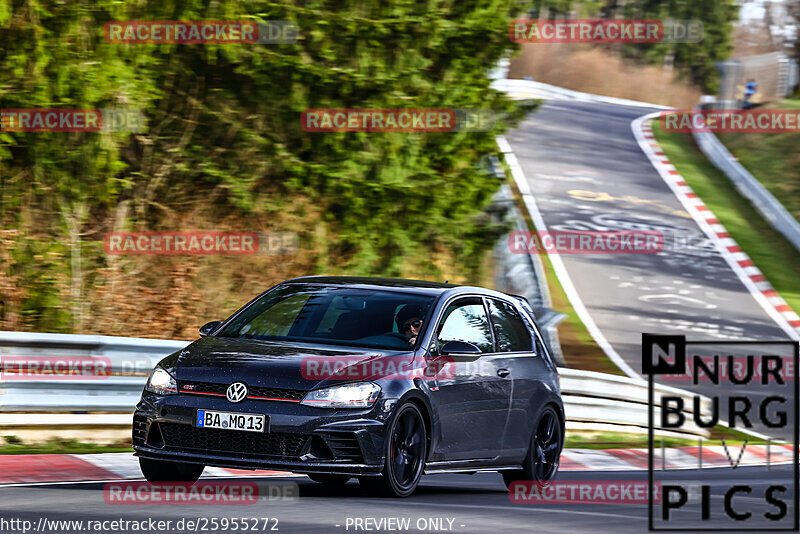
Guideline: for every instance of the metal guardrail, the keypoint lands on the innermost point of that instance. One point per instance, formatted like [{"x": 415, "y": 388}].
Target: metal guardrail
[
  {"x": 595, "y": 398},
  {"x": 127, "y": 360},
  {"x": 49, "y": 404},
  {"x": 767, "y": 205},
  {"x": 530, "y": 89},
  {"x": 523, "y": 274}
]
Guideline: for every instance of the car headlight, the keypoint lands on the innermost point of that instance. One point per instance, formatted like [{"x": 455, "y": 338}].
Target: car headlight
[
  {"x": 161, "y": 383},
  {"x": 358, "y": 395}
]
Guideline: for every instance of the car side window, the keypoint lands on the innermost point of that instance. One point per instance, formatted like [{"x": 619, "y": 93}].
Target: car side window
[
  {"x": 465, "y": 320},
  {"x": 509, "y": 329}
]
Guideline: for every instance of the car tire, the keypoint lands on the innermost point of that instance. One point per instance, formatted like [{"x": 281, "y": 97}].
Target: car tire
[
  {"x": 335, "y": 480},
  {"x": 406, "y": 451},
  {"x": 166, "y": 471},
  {"x": 544, "y": 452}
]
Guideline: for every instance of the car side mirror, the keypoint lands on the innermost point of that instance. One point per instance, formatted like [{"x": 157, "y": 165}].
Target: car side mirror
[
  {"x": 209, "y": 327},
  {"x": 459, "y": 347}
]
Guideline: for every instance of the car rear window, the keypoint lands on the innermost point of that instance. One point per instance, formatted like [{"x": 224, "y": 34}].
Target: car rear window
[{"x": 510, "y": 331}]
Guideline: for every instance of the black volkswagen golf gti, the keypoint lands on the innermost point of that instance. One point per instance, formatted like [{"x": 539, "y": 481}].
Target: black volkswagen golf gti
[{"x": 378, "y": 379}]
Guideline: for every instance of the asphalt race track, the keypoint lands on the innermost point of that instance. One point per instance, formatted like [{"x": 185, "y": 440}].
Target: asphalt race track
[
  {"x": 588, "y": 173},
  {"x": 475, "y": 503}
]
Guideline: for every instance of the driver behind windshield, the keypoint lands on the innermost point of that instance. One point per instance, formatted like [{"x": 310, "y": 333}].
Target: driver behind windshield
[{"x": 409, "y": 322}]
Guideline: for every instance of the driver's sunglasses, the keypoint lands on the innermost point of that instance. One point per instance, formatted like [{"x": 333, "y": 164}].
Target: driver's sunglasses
[{"x": 415, "y": 324}]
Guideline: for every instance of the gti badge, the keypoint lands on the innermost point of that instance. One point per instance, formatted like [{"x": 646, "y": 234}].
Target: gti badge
[{"x": 237, "y": 392}]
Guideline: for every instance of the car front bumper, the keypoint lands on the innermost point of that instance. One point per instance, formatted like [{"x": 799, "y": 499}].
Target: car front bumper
[{"x": 301, "y": 439}]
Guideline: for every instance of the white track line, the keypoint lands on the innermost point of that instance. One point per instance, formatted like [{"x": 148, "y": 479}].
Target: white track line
[
  {"x": 739, "y": 262},
  {"x": 558, "y": 263}
]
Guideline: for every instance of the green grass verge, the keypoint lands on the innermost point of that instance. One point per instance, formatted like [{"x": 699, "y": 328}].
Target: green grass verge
[
  {"x": 12, "y": 445},
  {"x": 578, "y": 346},
  {"x": 770, "y": 252},
  {"x": 621, "y": 440},
  {"x": 773, "y": 158}
]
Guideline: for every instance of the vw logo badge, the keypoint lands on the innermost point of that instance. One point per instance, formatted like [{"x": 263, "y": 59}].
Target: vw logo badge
[{"x": 237, "y": 392}]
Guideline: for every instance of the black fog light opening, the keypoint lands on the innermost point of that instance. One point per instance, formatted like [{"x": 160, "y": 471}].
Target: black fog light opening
[
  {"x": 154, "y": 437},
  {"x": 316, "y": 449},
  {"x": 139, "y": 432},
  {"x": 345, "y": 445}
]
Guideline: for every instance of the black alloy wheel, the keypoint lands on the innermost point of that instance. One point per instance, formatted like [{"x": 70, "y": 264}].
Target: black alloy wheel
[
  {"x": 406, "y": 452},
  {"x": 544, "y": 454}
]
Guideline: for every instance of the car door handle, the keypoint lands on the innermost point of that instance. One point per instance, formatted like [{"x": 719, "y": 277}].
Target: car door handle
[{"x": 502, "y": 373}]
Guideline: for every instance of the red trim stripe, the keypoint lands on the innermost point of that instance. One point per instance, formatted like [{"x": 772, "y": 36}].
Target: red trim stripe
[
  {"x": 273, "y": 399},
  {"x": 203, "y": 393},
  {"x": 249, "y": 396}
]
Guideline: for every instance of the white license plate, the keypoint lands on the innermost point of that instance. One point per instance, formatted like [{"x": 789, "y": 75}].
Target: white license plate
[{"x": 231, "y": 421}]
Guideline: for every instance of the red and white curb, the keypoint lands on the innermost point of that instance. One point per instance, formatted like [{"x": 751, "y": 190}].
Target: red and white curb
[
  {"x": 676, "y": 458},
  {"x": 52, "y": 468},
  {"x": 750, "y": 275},
  {"x": 43, "y": 468}
]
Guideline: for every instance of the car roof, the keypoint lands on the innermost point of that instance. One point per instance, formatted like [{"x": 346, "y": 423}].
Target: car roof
[
  {"x": 368, "y": 282},
  {"x": 419, "y": 287},
  {"x": 399, "y": 284}
]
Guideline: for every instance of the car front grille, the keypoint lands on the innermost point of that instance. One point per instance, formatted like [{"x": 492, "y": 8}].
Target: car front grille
[
  {"x": 181, "y": 437},
  {"x": 253, "y": 392}
]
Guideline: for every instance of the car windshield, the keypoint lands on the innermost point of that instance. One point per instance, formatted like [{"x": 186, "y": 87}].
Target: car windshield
[{"x": 380, "y": 319}]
